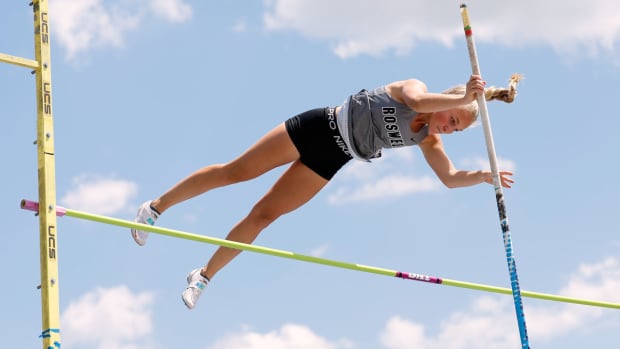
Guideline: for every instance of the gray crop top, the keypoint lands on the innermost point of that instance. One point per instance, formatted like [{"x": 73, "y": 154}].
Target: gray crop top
[{"x": 376, "y": 121}]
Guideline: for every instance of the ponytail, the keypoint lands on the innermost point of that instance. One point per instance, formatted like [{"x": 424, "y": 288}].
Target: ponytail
[{"x": 504, "y": 94}]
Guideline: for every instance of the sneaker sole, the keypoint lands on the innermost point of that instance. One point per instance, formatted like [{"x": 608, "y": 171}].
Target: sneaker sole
[
  {"x": 187, "y": 305},
  {"x": 137, "y": 239},
  {"x": 189, "y": 278}
]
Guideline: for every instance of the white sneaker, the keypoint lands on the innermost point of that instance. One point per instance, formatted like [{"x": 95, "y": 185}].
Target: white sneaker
[
  {"x": 145, "y": 215},
  {"x": 196, "y": 284}
]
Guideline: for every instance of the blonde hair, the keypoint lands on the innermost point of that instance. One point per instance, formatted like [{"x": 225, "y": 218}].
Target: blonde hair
[{"x": 505, "y": 94}]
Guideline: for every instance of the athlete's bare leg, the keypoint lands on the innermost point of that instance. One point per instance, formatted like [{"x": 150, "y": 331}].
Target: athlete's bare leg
[
  {"x": 274, "y": 149},
  {"x": 297, "y": 185}
]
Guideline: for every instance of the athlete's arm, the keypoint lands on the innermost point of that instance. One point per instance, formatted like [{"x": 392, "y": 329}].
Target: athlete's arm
[
  {"x": 415, "y": 95},
  {"x": 438, "y": 160}
]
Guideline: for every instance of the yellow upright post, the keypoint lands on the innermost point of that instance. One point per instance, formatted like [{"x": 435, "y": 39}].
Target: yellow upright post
[
  {"x": 47, "y": 179},
  {"x": 48, "y": 240}
]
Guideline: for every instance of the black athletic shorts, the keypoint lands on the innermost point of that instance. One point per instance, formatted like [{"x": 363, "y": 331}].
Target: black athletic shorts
[{"x": 320, "y": 145}]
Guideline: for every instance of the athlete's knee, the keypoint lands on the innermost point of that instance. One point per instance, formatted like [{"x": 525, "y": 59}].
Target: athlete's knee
[
  {"x": 263, "y": 214},
  {"x": 235, "y": 173}
]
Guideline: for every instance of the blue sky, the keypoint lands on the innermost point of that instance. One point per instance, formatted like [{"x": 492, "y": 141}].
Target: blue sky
[{"x": 144, "y": 92}]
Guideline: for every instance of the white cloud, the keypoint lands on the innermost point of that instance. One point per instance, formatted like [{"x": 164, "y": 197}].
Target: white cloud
[
  {"x": 172, "y": 10},
  {"x": 290, "y": 336},
  {"x": 386, "y": 187},
  {"x": 394, "y": 175},
  {"x": 390, "y": 177},
  {"x": 240, "y": 26},
  {"x": 354, "y": 28},
  {"x": 116, "y": 318},
  {"x": 490, "y": 322},
  {"x": 86, "y": 24},
  {"x": 596, "y": 281},
  {"x": 599, "y": 281},
  {"x": 100, "y": 195},
  {"x": 319, "y": 251},
  {"x": 80, "y": 26},
  {"x": 113, "y": 318}
]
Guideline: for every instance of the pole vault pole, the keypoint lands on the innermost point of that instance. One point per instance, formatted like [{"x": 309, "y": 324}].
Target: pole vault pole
[{"x": 499, "y": 194}]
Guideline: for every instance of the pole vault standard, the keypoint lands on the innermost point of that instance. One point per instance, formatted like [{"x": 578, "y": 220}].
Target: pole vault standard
[
  {"x": 499, "y": 194},
  {"x": 61, "y": 211},
  {"x": 48, "y": 250}
]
